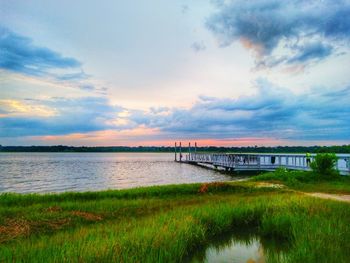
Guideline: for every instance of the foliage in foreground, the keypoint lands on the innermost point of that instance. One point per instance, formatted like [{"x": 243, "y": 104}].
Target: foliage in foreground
[
  {"x": 324, "y": 164},
  {"x": 160, "y": 224}
]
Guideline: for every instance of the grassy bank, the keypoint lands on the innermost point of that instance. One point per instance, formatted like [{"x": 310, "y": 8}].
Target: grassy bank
[
  {"x": 308, "y": 181},
  {"x": 168, "y": 224}
]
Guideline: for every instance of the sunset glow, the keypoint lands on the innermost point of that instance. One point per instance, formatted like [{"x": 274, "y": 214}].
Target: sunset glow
[{"x": 224, "y": 73}]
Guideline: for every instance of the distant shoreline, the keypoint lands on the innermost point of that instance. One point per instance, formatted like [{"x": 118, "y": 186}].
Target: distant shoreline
[{"x": 165, "y": 149}]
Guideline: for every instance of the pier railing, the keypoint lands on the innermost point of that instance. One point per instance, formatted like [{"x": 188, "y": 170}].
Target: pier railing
[
  {"x": 268, "y": 162},
  {"x": 256, "y": 161}
]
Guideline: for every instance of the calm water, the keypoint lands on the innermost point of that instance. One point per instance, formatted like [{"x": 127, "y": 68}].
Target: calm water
[
  {"x": 59, "y": 172},
  {"x": 241, "y": 246},
  {"x": 233, "y": 251}
]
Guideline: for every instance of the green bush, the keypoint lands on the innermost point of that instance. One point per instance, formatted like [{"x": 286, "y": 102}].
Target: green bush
[
  {"x": 324, "y": 164},
  {"x": 289, "y": 177}
]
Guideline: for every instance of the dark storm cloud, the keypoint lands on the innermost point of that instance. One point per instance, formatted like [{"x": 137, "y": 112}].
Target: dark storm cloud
[
  {"x": 19, "y": 54},
  {"x": 271, "y": 112},
  {"x": 296, "y": 26},
  {"x": 311, "y": 51}
]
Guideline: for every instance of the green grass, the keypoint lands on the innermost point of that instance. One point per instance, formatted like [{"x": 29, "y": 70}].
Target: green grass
[
  {"x": 168, "y": 224},
  {"x": 308, "y": 181}
]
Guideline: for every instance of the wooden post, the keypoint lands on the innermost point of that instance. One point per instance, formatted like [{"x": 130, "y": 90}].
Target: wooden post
[
  {"x": 180, "y": 153},
  {"x": 175, "y": 153},
  {"x": 189, "y": 151}
]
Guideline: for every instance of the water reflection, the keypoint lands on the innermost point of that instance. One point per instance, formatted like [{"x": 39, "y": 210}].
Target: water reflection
[
  {"x": 241, "y": 246},
  {"x": 58, "y": 172}
]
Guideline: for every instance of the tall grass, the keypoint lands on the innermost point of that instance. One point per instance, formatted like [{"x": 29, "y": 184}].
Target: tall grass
[
  {"x": 308, "y": 180},
  {"x": 168, "y": 226}
]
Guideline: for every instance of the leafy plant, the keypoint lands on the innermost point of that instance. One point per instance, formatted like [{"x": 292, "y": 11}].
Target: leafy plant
[{"x": 324, "y": 164}]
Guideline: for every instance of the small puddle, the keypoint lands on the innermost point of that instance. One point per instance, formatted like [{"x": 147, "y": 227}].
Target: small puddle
[{"x": 240, "y": 247}]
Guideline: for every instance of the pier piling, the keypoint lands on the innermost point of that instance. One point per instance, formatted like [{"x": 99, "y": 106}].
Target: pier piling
[{"x": 175, "y": 153}]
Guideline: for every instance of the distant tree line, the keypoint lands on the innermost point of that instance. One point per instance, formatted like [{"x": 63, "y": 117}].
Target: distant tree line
[
  {"x": 249, "y": 149},
  {"x": 62, "y": 148}
]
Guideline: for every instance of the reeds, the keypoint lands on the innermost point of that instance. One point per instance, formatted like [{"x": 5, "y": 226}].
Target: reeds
[{"x": 168, "y": 224}]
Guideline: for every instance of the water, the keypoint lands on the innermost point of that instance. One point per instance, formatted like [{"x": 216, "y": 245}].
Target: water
[
  {"x": 234, "y": 252},
  {"x": 59, "y": 172},
  {"x": 241, "y": 246}
]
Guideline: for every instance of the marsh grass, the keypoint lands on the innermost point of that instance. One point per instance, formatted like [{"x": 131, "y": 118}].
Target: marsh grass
[
  {"x": 308, "y": 181},
  {"x": 168, "y": 224}
]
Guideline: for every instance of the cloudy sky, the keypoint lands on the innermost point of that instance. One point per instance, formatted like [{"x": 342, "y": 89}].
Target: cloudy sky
[{"x": 258, "y": 72}]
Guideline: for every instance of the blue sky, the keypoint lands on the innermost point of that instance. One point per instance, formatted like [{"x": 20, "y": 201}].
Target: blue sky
[{"x": 220, "y": 72}]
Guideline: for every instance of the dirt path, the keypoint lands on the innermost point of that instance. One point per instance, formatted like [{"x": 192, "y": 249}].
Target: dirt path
[{"x": 338, "y": 197}]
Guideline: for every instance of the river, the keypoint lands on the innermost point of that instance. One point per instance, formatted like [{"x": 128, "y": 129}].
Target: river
[{"x": 61, "y": 172}]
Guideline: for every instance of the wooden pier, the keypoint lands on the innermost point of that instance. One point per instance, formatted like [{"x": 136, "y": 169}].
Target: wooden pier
[{"x": 254, "y": 161}]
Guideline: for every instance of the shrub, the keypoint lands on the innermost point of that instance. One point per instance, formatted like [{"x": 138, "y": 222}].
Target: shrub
[
  {"x": 324, "y": 164},
  {"x": 289, "y": 177}
]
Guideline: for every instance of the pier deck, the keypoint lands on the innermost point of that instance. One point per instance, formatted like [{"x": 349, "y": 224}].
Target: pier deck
[{"x": 258, "y": 161}]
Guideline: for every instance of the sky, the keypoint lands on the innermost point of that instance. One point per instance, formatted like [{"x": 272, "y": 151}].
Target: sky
[{"x": 225, "y": 73}]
